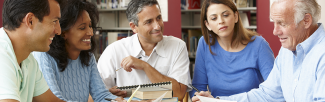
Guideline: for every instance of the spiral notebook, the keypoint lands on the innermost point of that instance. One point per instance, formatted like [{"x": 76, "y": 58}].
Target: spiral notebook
[{"x": 152, "y": 86}]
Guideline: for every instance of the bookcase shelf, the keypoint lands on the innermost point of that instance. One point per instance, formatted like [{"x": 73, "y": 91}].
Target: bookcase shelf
[
  {"x": 247, "y": 9},
  {"x": 120, "y": 28},
  {"x": 252, "y": 27},
  {"x": 191, "y": 27}
]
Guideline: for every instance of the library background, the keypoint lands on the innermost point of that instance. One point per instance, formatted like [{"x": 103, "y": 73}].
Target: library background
[{"x": 183, "y": 22}]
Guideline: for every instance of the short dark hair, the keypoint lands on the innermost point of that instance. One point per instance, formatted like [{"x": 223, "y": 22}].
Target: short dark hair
[
  {"x": 135, "y": 7},
  {"x": 14, "y": 11},
  {"x": 70, "y": 11}
]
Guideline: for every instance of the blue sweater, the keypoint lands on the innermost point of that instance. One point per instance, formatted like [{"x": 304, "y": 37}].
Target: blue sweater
[
  {"x": 228, "y": 73},
  {"x": 75, "y": 82}
]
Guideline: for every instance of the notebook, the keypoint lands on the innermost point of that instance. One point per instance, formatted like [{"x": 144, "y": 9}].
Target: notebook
[{"x": 128, "y": 89}]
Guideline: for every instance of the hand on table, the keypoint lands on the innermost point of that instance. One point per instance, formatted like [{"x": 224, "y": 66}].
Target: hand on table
[
  {"x": 120, "y": 99},
  {"x": 202, "y": 93},
  {"x": 117, "y": 92}
]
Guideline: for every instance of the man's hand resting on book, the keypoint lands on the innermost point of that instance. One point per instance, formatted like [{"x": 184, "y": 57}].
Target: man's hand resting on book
[
  {"x": 202, "y": 93},
  {"x": 119, "y": 99},
  {"x": 117, "y": 92}
]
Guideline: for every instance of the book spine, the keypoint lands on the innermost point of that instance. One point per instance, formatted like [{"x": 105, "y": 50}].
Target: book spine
[
  {"x": 183, "y": 4},
  {"x": 103, "y": 4}
]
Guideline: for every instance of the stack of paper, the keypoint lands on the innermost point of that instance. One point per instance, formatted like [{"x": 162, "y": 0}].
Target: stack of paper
[{"x": 208, "y": 99}]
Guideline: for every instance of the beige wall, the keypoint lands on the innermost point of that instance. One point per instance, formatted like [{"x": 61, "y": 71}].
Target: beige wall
[{"x": 322, "y": 3}]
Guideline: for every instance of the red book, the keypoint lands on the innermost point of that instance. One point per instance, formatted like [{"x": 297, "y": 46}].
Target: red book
[
  {"x": 194, "y": 4},
  {"x": 121, "y": 36}
]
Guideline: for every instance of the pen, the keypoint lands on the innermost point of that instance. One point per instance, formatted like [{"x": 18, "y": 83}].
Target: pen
[
  {"x": 134, "y": 93},
  {"x": 121, "y": 68},
  {"x": 108, "y": 99},
  {"x": 195, "y": 88}
]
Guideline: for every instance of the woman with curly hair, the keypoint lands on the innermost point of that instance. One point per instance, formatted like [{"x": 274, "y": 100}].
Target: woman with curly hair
[{"x": 69, "y": 67}]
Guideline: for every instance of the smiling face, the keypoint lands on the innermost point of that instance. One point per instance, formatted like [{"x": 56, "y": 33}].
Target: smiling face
[
  {"x": 150, "y": 25},
  {"x": 285, "y": 28},
  {"x": 221, "y": 20},
  {"x": 78, "y": 37},
  {"x": 45, "y": 31}
]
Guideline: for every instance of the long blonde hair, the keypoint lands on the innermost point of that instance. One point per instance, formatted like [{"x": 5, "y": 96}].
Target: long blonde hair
[{"x": 241, "y": 34}]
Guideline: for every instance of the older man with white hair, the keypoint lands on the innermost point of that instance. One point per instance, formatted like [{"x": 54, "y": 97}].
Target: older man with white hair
[{"x": 298, "y": 73}]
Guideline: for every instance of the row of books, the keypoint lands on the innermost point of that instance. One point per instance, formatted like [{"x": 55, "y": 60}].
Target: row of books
[
  {"x": 191, "y": 38},
  {"x": 103, "y": 39},
  {"x": 245, "y": 3},
  {"x": 191, "y": 4},
  {"x": 196, "y": 4}
]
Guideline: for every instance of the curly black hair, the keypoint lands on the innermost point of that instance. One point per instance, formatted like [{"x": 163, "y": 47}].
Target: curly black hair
[{"x": 70, "y": 11}]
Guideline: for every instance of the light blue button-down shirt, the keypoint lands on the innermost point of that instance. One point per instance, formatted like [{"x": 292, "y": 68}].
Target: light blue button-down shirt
[{"x": 297, "y": 76}]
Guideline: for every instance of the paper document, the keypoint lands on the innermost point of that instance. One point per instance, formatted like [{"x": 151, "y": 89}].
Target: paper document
[
  {"x": 159, "y": 98},
  {"x": 208, "y": 99}
]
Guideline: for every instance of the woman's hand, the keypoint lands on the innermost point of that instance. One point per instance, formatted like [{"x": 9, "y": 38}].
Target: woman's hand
[{"x": 202, "y": 93}]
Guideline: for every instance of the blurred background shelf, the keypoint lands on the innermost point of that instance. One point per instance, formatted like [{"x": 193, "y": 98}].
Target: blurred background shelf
[{"x": 108, "y": 10}]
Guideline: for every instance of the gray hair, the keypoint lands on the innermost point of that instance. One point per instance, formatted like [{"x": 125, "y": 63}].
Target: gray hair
[
  {"x": 301, "y": 7},
  {"x": 135, "y": 7}
]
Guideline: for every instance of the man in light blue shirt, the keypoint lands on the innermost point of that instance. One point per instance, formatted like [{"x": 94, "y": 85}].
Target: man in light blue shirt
[
  {"x": 298, "y": 73},
  {"x": 28, "y": 25}
]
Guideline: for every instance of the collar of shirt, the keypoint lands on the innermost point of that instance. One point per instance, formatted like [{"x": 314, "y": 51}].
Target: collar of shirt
[
  {"x": 22, "y": 68},
  {"x": 311, "y": 41},
  {"x": 159, "y": 48},
  {"x": 4, "y": 36}
]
